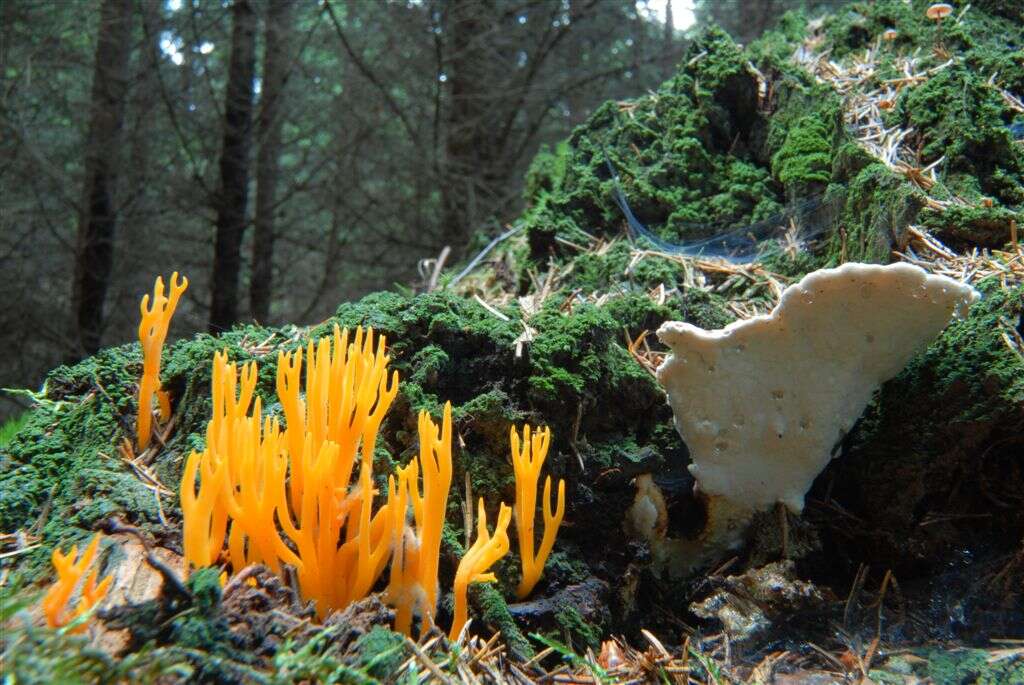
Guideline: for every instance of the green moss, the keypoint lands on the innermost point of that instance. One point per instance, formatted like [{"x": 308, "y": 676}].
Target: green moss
[
  {"x": 377, "y": 656},
  {"x": 965, "y": 120},
  {"x": 565, "y": 357},
  {"x": 972, "y": 667},
  {"x": 380, "y": 652},
  {"x": 576, "y": 630},
  {"x": 65, "y": 457},
  {"x": 494, "y": 613},
  {"x": 687, "y": 155},
  {"x": 11, "y": 427},
  {"x": 878, "y": 207},
  {"x": 964, "y": 225},
  {"x": 440, "y": 344},
  {"x": 805, "y": 156},
  {"x": 958, "y": 113},
  {"x": 546, "y": 172},
  {"x": 41, "y": 656}
]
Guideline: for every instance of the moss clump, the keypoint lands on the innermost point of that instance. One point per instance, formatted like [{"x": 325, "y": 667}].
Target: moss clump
[
  {"x": 805, "y": 156},
  {"x": 380, "y": 652},
  {"x": 962, "y": 226},
  {"x": 494, "y": 613},
  {"x": 958, "y": 112},
  {"x": 566, "y": 357},
  {"x": 964, "y": 120},
  {"x": 878, "y": 207},
  {"x": 202, "y": 627},
  {"x": 972, "y": 667},
  {"x": 456, "y": 341},
  {"x": 64, "y": 460},
  {"x": 576, "y": 630},
  {"x": 35, "y": 655},
  {"x": 546, "y": 172},
  {"x": 692, "y": 153},
  {"x": 11, "y": 427}
]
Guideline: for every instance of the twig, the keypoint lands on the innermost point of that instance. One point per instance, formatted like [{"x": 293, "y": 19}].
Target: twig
[{"x": 483, "y": 253}]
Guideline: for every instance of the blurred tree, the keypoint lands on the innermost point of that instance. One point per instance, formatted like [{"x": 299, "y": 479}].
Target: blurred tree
[
  {"x": 97, "y": 224},
  {"x": 233, "y": 196},
  {"x": 269, "y": 123}
]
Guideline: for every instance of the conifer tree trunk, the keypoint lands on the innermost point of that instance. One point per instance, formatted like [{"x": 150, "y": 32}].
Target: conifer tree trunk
[
  {"x": 275, "y": 74},
  {"x": 232, "y": 199},
  {"x": 669, "y": 25},
  {"x": 97, "y": 224},
  {"x": 467, "y": 146}
]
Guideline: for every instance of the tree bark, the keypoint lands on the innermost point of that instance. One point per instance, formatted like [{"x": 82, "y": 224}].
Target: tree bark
[
  {"x": 467, "y": 146},
  {"x": 669, "y": 25},
  {"x": 232, "y": 200},
  {"x": 94, "y": 254},
  {"x": 269, "y": 121}
]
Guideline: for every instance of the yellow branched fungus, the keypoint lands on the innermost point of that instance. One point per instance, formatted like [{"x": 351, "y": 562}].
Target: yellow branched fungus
[
  {"x": 347, "y": 396},
  {"x": 261, "y": 480},
  {"x": 69, "y": 573},
  {"x": 473, "y": 568},
  {"x": 527, "y": 463},
  {"x": 414, "y": 583},
  {"x": 285, "y": 496},
  {"x": 219, "y": 465},
  {"x": 156, "y": 317}
]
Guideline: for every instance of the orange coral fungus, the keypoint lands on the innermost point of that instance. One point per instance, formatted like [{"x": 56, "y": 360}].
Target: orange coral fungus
[
  {"x": 205, "y": 513},
  {"x": 527, "y": 464},
  {"x": 414, "y": 586},
  {"x": 347, "y": 396},
  {"x": 257, "y": 465},
  {"x": 335, "y": 575},
  {"x": 473, "y": 568},
  {"x": 156, "y": 317},
  {"x": 69, "y": 573},
  {"x": 257, "y": 478}
]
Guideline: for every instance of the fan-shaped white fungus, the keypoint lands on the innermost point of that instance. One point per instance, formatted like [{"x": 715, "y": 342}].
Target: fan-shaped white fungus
[{"x": 762, "y": 403}]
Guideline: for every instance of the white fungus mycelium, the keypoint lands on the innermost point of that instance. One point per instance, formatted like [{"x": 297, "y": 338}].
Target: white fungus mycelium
[{"x": 762, "y": 403}]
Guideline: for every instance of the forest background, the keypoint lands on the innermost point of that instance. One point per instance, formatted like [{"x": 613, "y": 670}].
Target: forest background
[{"x": 286, "y": 155}]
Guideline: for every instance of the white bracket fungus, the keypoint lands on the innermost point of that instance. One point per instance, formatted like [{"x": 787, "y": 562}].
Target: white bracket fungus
[{"x": 762, "y": 403}]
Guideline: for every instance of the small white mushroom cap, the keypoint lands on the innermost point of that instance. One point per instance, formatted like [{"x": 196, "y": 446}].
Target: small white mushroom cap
[{"x": 762, "y": 403}]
